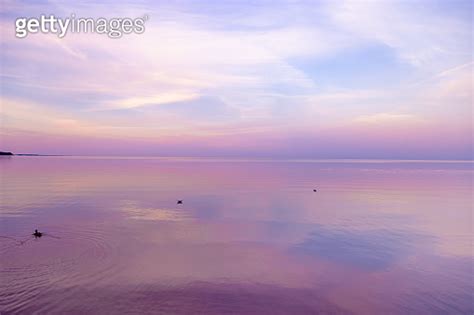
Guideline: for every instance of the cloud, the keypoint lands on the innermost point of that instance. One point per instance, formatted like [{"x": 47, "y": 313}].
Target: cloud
[
  {"x": 233, "y": 69},
  {"x": 153, "y": 100},
  {"x": 420, "y": 34},
  {"x": 386, "y": 118}
]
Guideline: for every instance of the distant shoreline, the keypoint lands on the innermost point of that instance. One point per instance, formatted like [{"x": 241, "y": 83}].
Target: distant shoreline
[
  {"x": 34, "y": 154},
  {"x": 6, "y": 153}
]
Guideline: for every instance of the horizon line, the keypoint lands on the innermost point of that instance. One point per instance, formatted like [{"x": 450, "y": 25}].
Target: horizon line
[{"x": 243, "y": 158}]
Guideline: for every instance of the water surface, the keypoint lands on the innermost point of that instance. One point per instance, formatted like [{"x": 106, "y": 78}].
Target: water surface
[{"x": 251, "y": 237}]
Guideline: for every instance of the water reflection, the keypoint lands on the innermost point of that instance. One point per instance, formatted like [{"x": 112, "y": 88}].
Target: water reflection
[
  {"x": 251, "y": 236},
  {"x": 135, "y": 211},
  {"x": 375, "y": 249}
]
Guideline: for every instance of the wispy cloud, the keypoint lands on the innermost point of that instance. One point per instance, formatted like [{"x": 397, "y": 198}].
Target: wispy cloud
[
  {"x": 387, "y": 118},
  {"x": 217, "y": 70}
]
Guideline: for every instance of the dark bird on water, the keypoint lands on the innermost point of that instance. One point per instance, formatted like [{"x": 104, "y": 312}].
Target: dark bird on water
[
  {"x": 179, "y": 202},
  {"x": 314, "y": 190},
  {"x": 37, "y": 234}
]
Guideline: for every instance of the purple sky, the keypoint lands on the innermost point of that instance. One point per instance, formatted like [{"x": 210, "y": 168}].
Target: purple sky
[{"x": 311, "y": 79}]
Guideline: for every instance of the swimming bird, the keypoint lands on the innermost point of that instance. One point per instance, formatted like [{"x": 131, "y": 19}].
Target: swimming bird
[
  {"x": 179, "y": 202},
  {"x": 314, "y": 190},
  {"x": 37, "y": 234}
]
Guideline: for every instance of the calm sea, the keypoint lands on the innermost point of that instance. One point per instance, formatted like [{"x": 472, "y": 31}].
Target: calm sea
[{"x": 251, "y": 236}]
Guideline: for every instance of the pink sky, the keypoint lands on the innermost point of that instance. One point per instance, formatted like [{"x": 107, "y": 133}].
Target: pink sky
[{"x": 342, "y": 80}]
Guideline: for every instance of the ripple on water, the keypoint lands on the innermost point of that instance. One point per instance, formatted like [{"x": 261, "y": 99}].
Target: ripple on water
[{"x": 78, "y": 257}]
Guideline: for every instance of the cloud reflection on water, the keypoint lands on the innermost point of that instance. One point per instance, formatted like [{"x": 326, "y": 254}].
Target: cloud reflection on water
[
  {"x": 373, "y": 249},
  {"x": 135, "y": 211}
]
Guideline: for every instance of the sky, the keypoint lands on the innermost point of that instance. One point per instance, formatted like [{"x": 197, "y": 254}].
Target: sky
[{"x": 274, "y": 79}]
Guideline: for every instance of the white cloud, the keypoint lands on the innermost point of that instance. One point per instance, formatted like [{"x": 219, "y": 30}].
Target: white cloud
[
  {"x": 183, "y": 56},
  {"x": 387, "y": 118},
  {"x": 164, "y": 98},
  {"x": 421, "y": 36}
]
